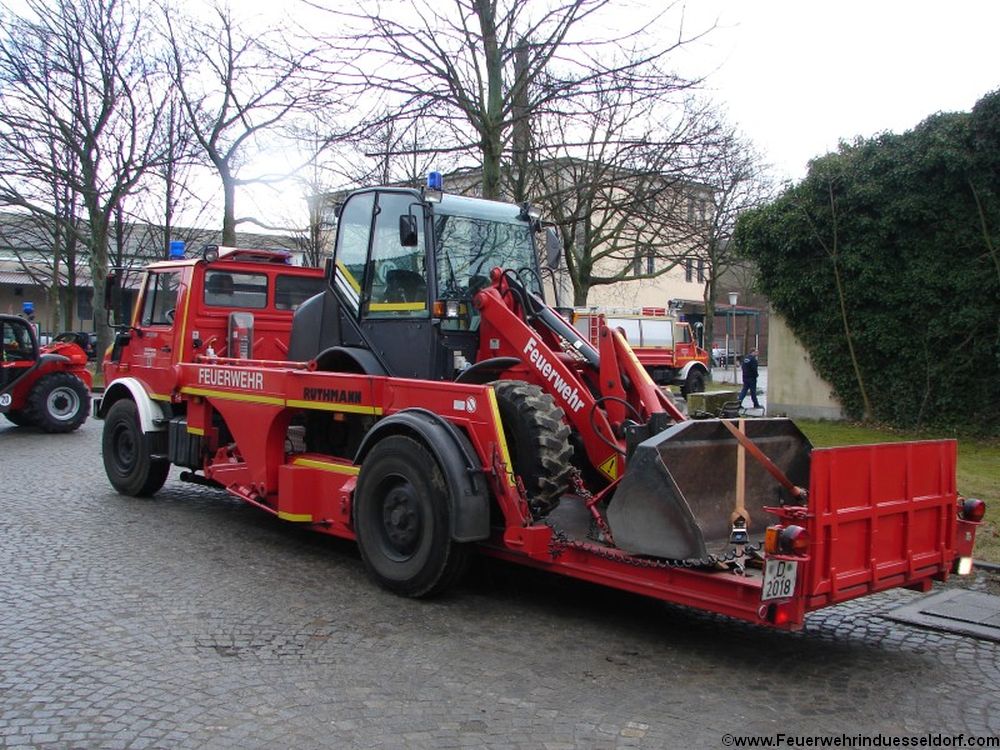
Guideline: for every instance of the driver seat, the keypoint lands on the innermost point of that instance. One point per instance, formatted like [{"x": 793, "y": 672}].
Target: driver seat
[{"x": 402, "y": 285}]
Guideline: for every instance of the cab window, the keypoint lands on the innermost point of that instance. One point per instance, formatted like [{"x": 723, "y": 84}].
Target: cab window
[
  {"x": 657, "y": 332},
  {"x": 397, "y": 284},
  {"x": 225, "y": 289},
  {"x": 292, "y": 291},
  {"x": 353, "y": 234},
  {"x": 160, "y": 298}
]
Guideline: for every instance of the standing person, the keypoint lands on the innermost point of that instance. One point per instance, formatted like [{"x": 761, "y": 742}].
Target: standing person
[{"x": 750, "y": 378}]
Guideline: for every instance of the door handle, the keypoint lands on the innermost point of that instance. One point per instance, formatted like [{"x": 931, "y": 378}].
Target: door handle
[{"x": 165, "y": 349}]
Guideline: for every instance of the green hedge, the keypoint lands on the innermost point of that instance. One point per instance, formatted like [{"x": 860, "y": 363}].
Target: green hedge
[{"x": 912, "y": 224}]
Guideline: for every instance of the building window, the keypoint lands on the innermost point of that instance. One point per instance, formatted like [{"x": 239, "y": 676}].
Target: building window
[
  {"x": 650, "y": 262},
  {"x": 85, "y": 304},
  {"x": 701, "y": 270},
  {"x": 688, "y": 270}
]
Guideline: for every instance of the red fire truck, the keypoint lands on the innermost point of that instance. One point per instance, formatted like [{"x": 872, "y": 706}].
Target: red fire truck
[
  {"x": 427, "y": 403},
  {"x": 665, "y": 346}
]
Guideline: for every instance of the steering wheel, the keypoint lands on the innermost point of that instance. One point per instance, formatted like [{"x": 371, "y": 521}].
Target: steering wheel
[{"x": 169, "y": 315}]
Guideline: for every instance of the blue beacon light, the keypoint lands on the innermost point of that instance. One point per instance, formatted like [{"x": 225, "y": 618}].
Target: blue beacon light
[
  {"x": 176, "y": 249},
  {"x": 434, "y": 191}
]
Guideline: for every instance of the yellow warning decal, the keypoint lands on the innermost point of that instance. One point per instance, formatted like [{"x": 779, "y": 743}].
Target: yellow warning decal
[{"x": 609, "y": 467}]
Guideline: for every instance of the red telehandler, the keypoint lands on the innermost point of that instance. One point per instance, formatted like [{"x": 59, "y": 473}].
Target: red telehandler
[
  {"x": 42, "y": 386},
  {"x": 427, "y": 403}
]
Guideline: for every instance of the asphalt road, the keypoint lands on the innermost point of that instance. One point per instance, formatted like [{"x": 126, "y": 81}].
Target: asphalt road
[{"x": 192, "y": 621}]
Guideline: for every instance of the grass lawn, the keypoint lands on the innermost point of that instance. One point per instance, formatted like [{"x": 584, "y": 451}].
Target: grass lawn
[{"x": 978, "y": 469}]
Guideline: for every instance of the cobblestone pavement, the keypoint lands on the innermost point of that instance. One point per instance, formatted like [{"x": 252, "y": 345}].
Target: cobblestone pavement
[{"x": 192, "y": 621}]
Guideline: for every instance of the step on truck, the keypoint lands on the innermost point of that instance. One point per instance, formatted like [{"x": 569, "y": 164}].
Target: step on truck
[{"x": 426, "y": 403}]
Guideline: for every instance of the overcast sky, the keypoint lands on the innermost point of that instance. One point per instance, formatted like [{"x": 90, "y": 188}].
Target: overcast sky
[{"x": 800, "y": 76}]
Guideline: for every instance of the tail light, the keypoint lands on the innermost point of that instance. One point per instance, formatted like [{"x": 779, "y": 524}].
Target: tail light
[
  {"x": 786, "y": 540},
  {"x": 972, "y": 509}
]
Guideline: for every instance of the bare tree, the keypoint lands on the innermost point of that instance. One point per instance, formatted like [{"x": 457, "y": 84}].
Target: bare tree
[
  {"x": 78, "y": 73},
  {"x": 738, "y": 180},
  {"x": 241, "y": 91},
  {"x": 476, "y": 66},
  {"x": 617, "y": 177}
]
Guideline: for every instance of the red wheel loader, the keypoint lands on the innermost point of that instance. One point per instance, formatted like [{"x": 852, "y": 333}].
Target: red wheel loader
[
  {"x": 427, "y": 403},
  {"x": 42, "y": 386}
]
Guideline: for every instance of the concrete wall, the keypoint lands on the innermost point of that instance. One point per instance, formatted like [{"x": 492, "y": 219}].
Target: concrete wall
[{"x": 793, "y": 387}]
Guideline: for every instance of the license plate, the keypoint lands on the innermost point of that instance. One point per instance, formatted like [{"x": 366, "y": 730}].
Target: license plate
[{"x": 779, "y": 579}]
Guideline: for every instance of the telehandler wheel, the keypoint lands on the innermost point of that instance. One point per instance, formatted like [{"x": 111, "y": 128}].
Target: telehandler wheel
[
  {"x": 59, "y": 402},
  {"x": 537, "y": 440},
  {"x": 402, "y": 519},
  {"x": 127, "y": 462},
  {"x": 695, "y": 383},
  {"x": 18, "y": 417}
]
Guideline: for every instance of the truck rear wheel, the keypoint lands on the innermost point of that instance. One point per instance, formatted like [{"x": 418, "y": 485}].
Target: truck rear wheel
[
  {"x": 127, "y": 460},
  {"x": 537, "y": 440},
  {"x": 402, "y": 520},
  {"x": 59, "y": 402}
]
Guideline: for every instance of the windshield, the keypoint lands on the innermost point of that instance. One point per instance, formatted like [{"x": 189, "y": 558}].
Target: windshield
[{"x": 471, "y": 237}]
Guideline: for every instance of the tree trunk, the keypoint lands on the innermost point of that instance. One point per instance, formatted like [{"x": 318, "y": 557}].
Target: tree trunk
[
  {"x": 491, "y": 129},
  {"x": 229, "y": 211}
]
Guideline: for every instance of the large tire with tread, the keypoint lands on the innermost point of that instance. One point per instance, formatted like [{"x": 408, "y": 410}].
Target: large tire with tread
[
  {"x": 537, "y": 440},
  {"x": 59, "y": 402},
  {"x": 695, "y": 383},
  {"x": 127, "y": 461},
  {"x": 402, "y": 520},
  {"x": 19, "y": 417}
]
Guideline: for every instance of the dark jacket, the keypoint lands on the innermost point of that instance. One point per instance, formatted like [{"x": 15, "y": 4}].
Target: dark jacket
[{"x": 749, "y": 368}]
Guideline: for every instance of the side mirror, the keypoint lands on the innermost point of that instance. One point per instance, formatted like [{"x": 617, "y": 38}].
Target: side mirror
[
  {"x": 553, "y": 249},
  {"x": 408, "y": 230},
  {"x": 112, "y": 297}
]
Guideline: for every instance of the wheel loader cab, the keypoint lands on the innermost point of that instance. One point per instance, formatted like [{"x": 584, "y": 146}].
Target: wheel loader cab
[
  {"x": 19, "y": 349},
  {"x": 401, "y": 289}
]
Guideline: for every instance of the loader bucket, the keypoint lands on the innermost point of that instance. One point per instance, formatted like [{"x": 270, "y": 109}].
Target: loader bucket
[{"x": 679, "y": 491}]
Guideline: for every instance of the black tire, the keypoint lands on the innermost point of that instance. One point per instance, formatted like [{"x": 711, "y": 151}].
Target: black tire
[
  {"x": 19, "y": 417},
  {"x": 537, "y": 440},
  {"x": 59, "y": 402},
  {"x": 402, "y": 520},
  {"x": 127, "y": 461},
  {"x": 695, "y": 383}
]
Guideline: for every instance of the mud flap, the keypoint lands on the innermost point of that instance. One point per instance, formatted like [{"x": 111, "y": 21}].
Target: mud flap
[{"x": 678, "y": 493}]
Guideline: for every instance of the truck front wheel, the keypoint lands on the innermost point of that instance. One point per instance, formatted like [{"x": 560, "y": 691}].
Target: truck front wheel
[
  {"x": 127, "y": 460},
  {"x": 695, "y": 383},
  {"x": 401, "y": 517}
]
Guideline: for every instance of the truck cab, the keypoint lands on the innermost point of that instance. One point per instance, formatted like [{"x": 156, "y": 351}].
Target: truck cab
[
  {"x": 401, "y": 295},
  {"x": 226, "y": 302}
]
